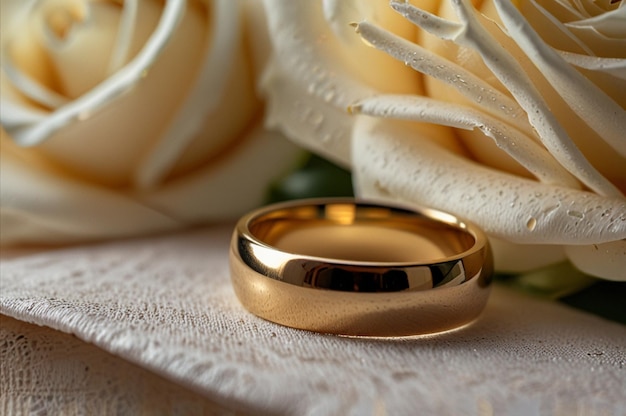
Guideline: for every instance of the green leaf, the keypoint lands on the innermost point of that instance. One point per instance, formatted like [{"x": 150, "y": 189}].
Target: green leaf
[
  {"x": 604, "y": 298},
  {"x": 316, "y": 177},
  {"x": 551, "y": 282}
]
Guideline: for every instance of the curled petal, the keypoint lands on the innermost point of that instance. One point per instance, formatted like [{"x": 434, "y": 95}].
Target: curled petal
[
  {"x": 14, "y": 17},
  {"x": 609, "y": 23},
  {"x": 523, "y": 149},
  {"x": 421, "y": 59},
  {"x": 608, "y": 73},
  {"x": 604, "y": 34},
  {"x": 202, "y": 99},
  {"x": 606, "y": 260},
  {"x": 612, "y": 66},
  {"x": 503, "y": 65},
  {"x": 309, "y": 121},
  {"x": 107, "y": 91},
  {"x": 303, "y": 95},
  {"x": 41, "y": 204},
  {"x": 550, "y": 26},
  {"x": 599, "y": 111},
  {"x": 515, "y": 258},
  {"x": 124, "y": 35},
  {"x": 392, "y": 162},
  {"x": 29, "y": 87},
  {"x": 338, "y": 12},
  {"x": 229, "y": 187},
  {"x": 20, "y": 115}
]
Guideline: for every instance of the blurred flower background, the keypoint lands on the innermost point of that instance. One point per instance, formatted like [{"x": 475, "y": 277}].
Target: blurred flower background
[{"x": 124, "y": 118}]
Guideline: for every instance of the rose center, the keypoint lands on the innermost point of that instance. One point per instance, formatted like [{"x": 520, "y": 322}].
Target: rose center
[{"x": 61, "y": 18}]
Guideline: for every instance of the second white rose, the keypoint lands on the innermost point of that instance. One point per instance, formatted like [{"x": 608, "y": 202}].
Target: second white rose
[
  {"x": 469, "y": 111},
  {"x": 126, "y": 118}
]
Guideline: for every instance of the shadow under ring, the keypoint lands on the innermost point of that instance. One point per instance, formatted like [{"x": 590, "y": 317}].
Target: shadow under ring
[{"x": 362, "y": 268}]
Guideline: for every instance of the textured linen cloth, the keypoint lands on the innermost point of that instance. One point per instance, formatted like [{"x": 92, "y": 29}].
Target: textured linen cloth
[{"x": 165, "y": 304}]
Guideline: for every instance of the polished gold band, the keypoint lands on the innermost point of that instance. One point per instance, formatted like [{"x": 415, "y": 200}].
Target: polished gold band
[{"x": 353, "y": 267}]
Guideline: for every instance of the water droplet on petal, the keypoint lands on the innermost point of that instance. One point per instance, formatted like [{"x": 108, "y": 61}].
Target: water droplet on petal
[
  {"x": 531, "y": 224},
  {"x": 315, "y": 118},
  {"x": 329, "y": 94},
  {"x": 576, "y": 214}
]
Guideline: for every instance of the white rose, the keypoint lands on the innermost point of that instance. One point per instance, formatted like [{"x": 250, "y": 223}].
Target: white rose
[
  {"x": 518, "y": 127},
  {"x": 121, "y": 118}
]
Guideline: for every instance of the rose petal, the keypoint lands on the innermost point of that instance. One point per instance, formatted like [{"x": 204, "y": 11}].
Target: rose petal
[
  {"x": 42, "y": 204},
  {"x": 68, "y": 45},
  {"x": 599, "y": 111},
  {"x": 563, "y": 10},
  {"x": 223, "y": 70},
  {"x": 516, "y": 258},
  {"x": 23, "y": 59},
  {"x": 479, "y": 93},
  {"x": 304, "y": 95},
  {"x": 16, "y": 107},
  {"x": 123, "y": 43},
  {"x": 612, "y": 66},
  {"x": 133, "y": 121},
  {"x": 309, "y": 117},
  {"x": 110, "y": 89},
  {"x": 231, "y": 185},
  {"x": 504, "y": 66},
  {"x": 29, "y": 87},
  {"x": 604, "y": 34},
  {"x": 608, "y": 23},
  {"x": 39, "y": 204},
  {"x": 392, "y": 162},
  {"x": 338, "y": 12},
  {"x": 551, "y": 27},
  {"x": 523, "y": 149},
  {"x": 606, "y": 260}
]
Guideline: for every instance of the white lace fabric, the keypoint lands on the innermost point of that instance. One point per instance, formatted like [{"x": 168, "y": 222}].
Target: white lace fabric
[
  {"x": 48, "y": 372},
  {"x": 165, "y": 304}
]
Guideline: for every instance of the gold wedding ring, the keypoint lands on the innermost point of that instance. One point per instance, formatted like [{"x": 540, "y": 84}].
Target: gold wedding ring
[{"x": 351, "y": 267}]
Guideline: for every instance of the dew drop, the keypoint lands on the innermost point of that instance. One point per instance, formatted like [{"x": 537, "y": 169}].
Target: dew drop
[
  {"x": 315, "y": 118},
  {"x": 576, "y": 214},
  {"x": 531, "y": 224},
  {"x": 329, "y": 94},
  {"x": 549, "y": 210}
]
